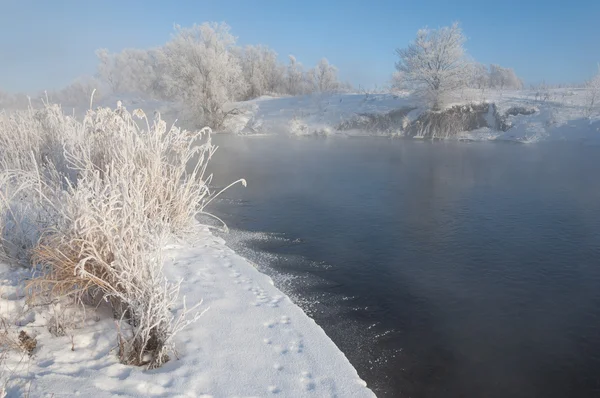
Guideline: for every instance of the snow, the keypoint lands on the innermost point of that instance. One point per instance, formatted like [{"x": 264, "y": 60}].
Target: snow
[
  {"x": 251, "y": 341},
  {"x": 562, "y": 116},
  {"x": 314, "y": 114}
]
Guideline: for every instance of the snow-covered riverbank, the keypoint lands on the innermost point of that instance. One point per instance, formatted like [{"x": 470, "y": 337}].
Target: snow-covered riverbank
[
  {"x": 252, "y": 341},
  {"x": 555, "y": 114}
]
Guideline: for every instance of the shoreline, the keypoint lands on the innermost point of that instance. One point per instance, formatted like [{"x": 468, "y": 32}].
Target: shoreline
[{"x": 252, "y": 341}]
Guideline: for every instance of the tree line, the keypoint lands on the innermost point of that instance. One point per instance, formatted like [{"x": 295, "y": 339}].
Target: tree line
[{"x": 202, "y": 67}]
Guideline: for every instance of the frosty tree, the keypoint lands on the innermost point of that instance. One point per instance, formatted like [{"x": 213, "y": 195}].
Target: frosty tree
[
  {"x": 479, "y": 76},
  {"x": 325, "y": 76},
  {"x": 593, "y": 94},
  {"x": 131, "y": 70},
  {"x": 204, "y": 71},
  {"x": 294, "y": 77},
  {"x": 502, "y": 78},
  {"x": 261, "y": 71},
  {"x": 434, "y": 64}
]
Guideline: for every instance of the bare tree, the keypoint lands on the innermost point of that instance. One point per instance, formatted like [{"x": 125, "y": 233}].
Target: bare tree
[{"x": 434, "y": 64}]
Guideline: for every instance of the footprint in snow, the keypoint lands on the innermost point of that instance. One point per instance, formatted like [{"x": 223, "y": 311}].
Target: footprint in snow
[
  {"x": 297, "y": 346},
  {"x": 307, "y": 381}
]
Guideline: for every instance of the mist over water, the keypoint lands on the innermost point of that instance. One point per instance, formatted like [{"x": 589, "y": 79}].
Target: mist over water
[{"x": 440, "y": 269}]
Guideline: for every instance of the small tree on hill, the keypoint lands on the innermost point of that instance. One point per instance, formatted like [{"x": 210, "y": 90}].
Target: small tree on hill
[
  {"x": 435, "y": 63},
  {"x": 593, "y": 94}
]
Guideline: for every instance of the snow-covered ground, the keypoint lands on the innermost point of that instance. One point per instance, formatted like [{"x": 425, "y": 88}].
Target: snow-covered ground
[
  {"x": 251, "y": 342},
  {"x": 559, "y": 114}
]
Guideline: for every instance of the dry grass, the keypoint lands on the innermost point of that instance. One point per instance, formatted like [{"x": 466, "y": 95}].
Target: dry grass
[{"x": 99, "y": 199}]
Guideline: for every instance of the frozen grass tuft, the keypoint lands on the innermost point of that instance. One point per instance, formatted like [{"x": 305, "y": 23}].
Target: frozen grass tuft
[{"x": 90, "y": 205}]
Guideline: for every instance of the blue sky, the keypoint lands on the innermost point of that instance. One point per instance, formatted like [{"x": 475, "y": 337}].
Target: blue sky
[{"x": 46, "y": 44}]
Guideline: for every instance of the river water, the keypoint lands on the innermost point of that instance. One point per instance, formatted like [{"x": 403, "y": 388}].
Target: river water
[{"x": 441, "y": 269}]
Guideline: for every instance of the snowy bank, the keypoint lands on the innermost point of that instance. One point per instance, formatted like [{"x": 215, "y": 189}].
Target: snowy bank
[
  {"x": 513, "y": 115},
  {"x": 252, "y": 341}
]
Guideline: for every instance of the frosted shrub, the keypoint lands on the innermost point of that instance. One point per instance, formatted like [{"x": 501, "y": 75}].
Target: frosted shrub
[
  {"x": 106, "y": 246},
  {"x": 171, "y": 162},
  {"x": 100, "y": 199},
  {"x": 36, "y": 137}
]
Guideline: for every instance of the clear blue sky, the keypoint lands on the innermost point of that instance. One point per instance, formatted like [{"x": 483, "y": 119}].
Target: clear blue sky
[{"x": 45, "y": 44}]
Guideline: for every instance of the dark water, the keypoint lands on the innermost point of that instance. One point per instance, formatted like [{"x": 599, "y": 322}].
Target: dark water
[{"x": 440, "y": 269}]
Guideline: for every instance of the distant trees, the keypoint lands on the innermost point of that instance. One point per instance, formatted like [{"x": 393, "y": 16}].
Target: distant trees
[
  {"x": 479, "y": 76},
  {"x": 496, "y": 76},
  {"x": 131, "y": 70},
  {"x": 326, "y": 76},
  {"x": 295, "y": 77},
  {"x": 502, "y": 78},
  {"x": 434, "y": 63},
  {"x": 202, "y": 67},
  {"x": 262, "y": 72},
  {"x": 77, "y": 93}
]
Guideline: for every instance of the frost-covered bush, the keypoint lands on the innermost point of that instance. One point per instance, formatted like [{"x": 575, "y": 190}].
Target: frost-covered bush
[
  {"x": 96, "y": 200},
  {"x": 106, "y": 245}
]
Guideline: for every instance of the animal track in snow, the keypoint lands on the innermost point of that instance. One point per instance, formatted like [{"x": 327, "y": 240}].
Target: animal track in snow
[{"x": 307, "y": 381}]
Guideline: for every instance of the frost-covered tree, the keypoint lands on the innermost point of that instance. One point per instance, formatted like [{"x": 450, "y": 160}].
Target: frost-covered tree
[
  {"x": 593, "y": 94},
  {"x": 435, "y": 63},
  {"x": 204, "y": 71},
  {"x": 325, "y": 76},
  {"x": 261, "y": 71},
  {"x": 202, "y": 67},
  {"x": 130, "y": 71},
  {"x": 76, "y": 94},
  {"x": 294, "y": 77},
  {"x": 479, "y": 76},
  {"x": 502, "y": 78}
]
